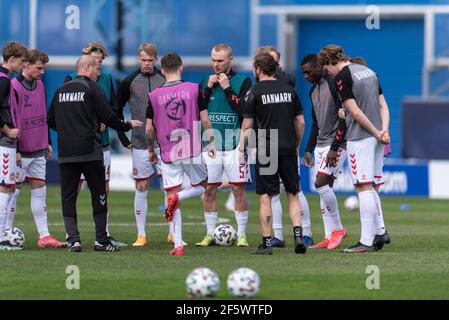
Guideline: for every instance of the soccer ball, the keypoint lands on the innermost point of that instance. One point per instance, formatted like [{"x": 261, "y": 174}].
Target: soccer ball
[
  {"x": 243, "y": 282},
  {"x": 352, "y": 203},
  {"x": 202, "y": 282},
  {"x": 14, "y": 236},
  {"x": 225, "y": 235}
]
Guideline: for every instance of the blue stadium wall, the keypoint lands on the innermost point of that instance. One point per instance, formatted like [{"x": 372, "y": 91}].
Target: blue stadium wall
[{"x": 395, "y": 51}]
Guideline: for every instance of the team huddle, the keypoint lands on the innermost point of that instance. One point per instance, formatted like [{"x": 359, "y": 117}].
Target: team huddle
[{"x": 198, "y": 138}]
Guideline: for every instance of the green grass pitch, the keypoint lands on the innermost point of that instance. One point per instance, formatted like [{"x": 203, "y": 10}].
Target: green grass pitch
[{"x": 414, "y": 266}]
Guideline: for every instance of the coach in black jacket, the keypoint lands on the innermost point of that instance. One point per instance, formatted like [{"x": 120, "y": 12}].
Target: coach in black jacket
[{"x": 76, "y": 111}]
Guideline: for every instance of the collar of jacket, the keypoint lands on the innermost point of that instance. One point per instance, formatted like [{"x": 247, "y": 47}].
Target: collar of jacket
[{"x": 155, "y": 70}]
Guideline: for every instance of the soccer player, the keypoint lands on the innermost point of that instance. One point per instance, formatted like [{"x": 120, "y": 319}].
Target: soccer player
[
  {"x": 379, "y": 220},
  {"x": 278, "y": 237},
  {"x": 367, "y": 120},
  {"x": 134, "y": 90},
  {"x": 224, "y": 90},
  {"x": 28, "y": 106},
  {"x": 173, "y": 117},
  {"x": 99, "y": 53},
  {"x": 14, "y": 55},
  {"x": 279, "y": 74},
  {"x": 76, "y": 112},
  {"x": 276, "y": 110},
  {"x": 327, "y": 142}
]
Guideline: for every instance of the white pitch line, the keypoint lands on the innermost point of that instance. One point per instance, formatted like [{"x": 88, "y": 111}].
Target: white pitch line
[{"x": 150, "y": 224}]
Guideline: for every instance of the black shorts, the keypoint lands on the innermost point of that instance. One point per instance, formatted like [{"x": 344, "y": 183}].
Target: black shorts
[{"x": 287, "y": 170}]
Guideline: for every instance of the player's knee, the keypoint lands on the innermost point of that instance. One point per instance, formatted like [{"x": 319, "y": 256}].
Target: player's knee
[
  {"x": 322, "y": 180},
  {"x": 363, "y": 187},
  {"x": 37, "y": 184},
  {"x": 239, "y": 192},
  {"x": 142, "y": 186},
  {"x": 319, "y": 184},
  {"x": 210, "y": 193},
  {"x": 265, "y": 200}
]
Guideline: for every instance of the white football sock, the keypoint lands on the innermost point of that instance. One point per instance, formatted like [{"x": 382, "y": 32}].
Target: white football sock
[
  {"x": 306, "y": 223},
  {"x": 211, "y": 221},
  {"x": 242, "y": 220},
  {"x": 276, "y": 208},
  {"x": 39, "y": 209},
  {"x": 177, "y": 228},
  {"x": 379, "y": 218},
  {"x": 368, "y": 210},
  {"x": 140, "y": 211},
  {"x": 327, "y": 220},
  {"x": 330, "y": 203},
  {"x": 4, "y": 200},
  {"x": 191, "y": 192},
  {"x": 12, "y": 209}
]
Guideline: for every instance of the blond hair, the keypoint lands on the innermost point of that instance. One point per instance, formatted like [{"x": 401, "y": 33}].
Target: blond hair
[
  {"x": 268, "y": 49},
  {"x": 223, "y": 47},
  {"x": 149, "y": 48},
  {"x": 95, "y": 47}
]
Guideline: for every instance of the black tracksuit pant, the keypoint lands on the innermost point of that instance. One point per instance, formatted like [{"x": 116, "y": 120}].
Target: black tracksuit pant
[{"x": 70, "y": 176}]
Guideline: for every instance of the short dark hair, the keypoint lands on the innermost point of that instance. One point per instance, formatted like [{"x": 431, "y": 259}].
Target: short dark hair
[
  {"x": 14, "y": 49},
  {"x": 171, "y": 62},
  {"x": 266, "y": 63},
  {"x": 311, "y": 58},
  {"x": 37, "y": 55}
]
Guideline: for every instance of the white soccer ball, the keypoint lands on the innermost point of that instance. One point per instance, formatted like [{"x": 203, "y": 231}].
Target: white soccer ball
[
  {"x": 225, "y": 235},
  {"x": 202, "y": 282},
  {"x": 352, "y": 203},
  {"x": 243, "y": 282},
  {"x": 15, "y": 236}
]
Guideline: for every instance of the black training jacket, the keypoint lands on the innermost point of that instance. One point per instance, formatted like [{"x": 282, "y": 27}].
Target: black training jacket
[{"x": 76, "y": 111}]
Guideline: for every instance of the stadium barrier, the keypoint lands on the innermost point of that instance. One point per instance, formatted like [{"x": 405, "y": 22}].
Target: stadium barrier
[{"x": 402, "y": 178}]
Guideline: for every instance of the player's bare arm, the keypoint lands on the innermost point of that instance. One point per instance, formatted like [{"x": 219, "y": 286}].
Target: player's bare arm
[
  {"x": 385, "y": 118},
  {"x": 207, "y": 126},
  {"x": 311, "y": 144},
  {"x": 11, "y": 133},
  {"x": 361, "y": 119},
  {"x": 244, "y": 139},
  {"x": 299, "y": 129},
  {"x": 49, "y": 152},
  {"x": 151, "y": 137}
]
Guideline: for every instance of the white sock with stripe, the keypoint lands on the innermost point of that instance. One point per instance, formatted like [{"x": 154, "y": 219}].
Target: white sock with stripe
[
  {"x": 211, "y": 221},
  {"x": 140, "y": 211},
  {"x": 306, "y": 223},
  {"x": 39, "y": 209},
  {"x": 368, "y": 210},
  {"x": 329, "y": 199},
  {"x": 242, "y": 220},
  {"x": 4, "y": 200},
  {"x": 12, "y": 209},
  {"x": 276, "y": 208},
  {"x": 177, "y": 228},
  {"x": 327, "y": 220},
  {"x": 379, "y": 218}
]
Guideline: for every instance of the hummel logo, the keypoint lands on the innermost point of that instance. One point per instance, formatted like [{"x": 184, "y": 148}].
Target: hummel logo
[{"x": 102, "y": 199}]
